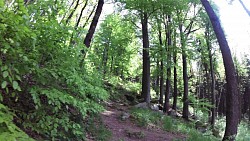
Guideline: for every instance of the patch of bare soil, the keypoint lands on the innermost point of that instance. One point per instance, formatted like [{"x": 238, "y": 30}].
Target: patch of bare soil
[{"x": 116, "y": 118}]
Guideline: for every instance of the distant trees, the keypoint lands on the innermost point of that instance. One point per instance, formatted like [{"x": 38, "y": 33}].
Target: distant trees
[
  {"x": 167, "y": 45},
  {"x": 114, "y": 47}
]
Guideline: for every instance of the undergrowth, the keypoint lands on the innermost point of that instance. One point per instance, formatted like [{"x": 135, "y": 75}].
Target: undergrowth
[
  {"x": 97, "y": 129},
  {"x": 144, "y": 117},
  {"x": 8, "y": 130},
  {"x": 43, "y": 77}
]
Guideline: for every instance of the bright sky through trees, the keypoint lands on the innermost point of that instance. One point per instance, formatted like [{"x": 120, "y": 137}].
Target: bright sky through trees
[
  {"x": 235, "y": 21},
  {"x": 236, "y": 24}
]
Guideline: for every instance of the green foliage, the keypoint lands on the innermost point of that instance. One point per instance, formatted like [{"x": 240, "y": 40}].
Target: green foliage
[
  {"x": 243, "y": 129},
  {"x": 97, "y": 128},
  {"x": 145, "y": 117},
  {"x": 8, "y": 130},
  {"x": 114, "y": 47},
  {"x": 243, "y": 132},
  {"x": 194, "y": 135},
  {"x": 168, "y": 123},
  {"x": 45, "y": 73}
]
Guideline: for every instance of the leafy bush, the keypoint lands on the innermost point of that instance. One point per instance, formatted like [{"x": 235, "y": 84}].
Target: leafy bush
[
  {"x": 9, "y": 131},
  {"x": 144, "y": 116},
  {"x": 97, "y": 128},
  {"x": 42, "y": 76}
]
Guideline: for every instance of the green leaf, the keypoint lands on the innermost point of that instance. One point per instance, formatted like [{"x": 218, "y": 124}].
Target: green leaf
[
  {"x": 5, "y": 74},
  {"x": 1, "y": 97},
  {"x": 4, "y": 84},
  {"x": 19, "y": 89},
  {"x": 1, "y": 4},
  {"x": 18, "y": 77},
  {"x": 15, "y": 85},
  {"x": 4, "y": 68}
]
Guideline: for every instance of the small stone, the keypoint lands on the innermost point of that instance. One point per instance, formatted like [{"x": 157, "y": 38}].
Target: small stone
[{"x": 125, "y": 116}]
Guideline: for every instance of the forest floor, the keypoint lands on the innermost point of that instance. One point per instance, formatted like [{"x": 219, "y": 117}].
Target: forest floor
[{"x": 121, "y": 123}]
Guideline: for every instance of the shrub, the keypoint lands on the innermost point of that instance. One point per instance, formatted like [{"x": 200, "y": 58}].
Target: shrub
[{"x": 43, "y": 77}]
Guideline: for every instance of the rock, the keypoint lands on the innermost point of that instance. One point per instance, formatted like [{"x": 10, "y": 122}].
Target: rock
[
  {"x": 154, "y": 107},
  {"x": 125, "y": 116},
  {"x": 172, "y": 113},
  {"x": 143, "y": 105}
]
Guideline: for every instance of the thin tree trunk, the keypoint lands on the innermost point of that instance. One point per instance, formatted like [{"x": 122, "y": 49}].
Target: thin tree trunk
[
  {"x": 175, "y": 75},
  {"x": 93, "y": 24},
  {"x": 185, "y": 76},
  {"x": 87, "y": 20},
  {"x": 161, "y": 65},
  {"x": 73, "y": 11},
  {"x": 157, "y": 83},
  {"x": 169, "y": 43},
  {"x": 146, "y": 59},
  {"x": 78, "y": 22},
  {"x": 207, "y": 34},
  {"x": 161, "y": 84},
  {"x": 245, "y": 8},
  {"x": 67, "y": 10},
  {"x": 80, "y": 16},
  {"x": 232, "y": 113}
]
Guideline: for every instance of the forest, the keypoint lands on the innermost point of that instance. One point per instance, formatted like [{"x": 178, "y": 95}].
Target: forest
[{"x": 160, "y": 70}]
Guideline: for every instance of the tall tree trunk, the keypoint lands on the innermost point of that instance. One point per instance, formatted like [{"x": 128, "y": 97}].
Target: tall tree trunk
[
  {"x": 146, "y": 59},
  {"x": 157, "y": 81},
  {"x": 207, "y": 35},
  {"x": 185, "y": 75},
  {"x": 175, "y": 74},
  {"x": 161, "y": 83},
  {"x": 161, "y": 64},
  {"x": 93, "y": 24},
  {"x": 168, "y": 49},
  {"x": 232, "y": 113}
]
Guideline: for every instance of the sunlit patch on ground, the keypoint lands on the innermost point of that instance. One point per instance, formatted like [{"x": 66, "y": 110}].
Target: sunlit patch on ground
[{"x": 108, "y": 113}]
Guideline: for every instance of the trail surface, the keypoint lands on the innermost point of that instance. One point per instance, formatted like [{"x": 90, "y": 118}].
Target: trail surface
[{"x": 125, "y": 129}]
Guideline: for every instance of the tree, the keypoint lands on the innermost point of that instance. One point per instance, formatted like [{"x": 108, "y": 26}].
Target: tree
[
  {"x": 146, "y": 59},
  {"x": 169, "y": 52},
  {"x": 93, "y": 24},
  {"x": 232, "y": 114}
]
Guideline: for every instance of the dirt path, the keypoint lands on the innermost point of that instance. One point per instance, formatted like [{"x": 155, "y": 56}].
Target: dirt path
[{"x": 126, "y": 130}]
